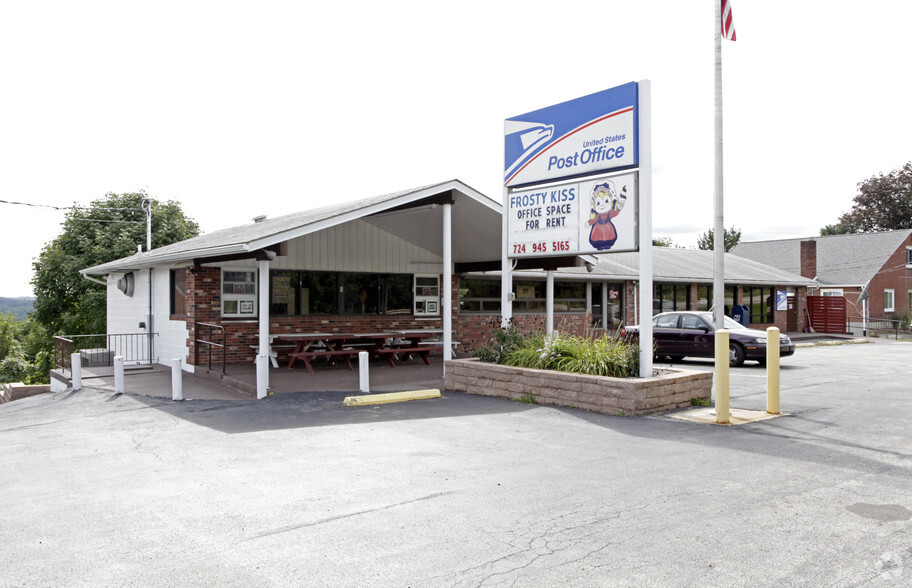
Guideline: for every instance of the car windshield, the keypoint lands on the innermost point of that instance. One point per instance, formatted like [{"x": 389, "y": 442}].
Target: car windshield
[{"x": 730, "y": 323}]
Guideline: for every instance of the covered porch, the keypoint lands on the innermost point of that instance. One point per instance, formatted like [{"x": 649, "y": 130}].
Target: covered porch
[{"x": 239, "y": 381}]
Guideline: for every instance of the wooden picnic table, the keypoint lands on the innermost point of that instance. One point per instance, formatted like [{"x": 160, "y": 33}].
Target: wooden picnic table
[{"x": 346, "y": 346}]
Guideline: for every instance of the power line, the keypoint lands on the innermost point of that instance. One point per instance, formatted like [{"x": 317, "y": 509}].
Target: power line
[{"x": 71, "y": 207}]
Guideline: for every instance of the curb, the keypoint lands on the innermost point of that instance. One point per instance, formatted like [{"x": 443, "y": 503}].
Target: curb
[
  {"x": 826, "y": 343},
  {"x": 391, "y": 397}
]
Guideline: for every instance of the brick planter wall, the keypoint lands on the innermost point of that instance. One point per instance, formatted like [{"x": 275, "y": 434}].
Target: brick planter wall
[{"x": 620, "y": 396}]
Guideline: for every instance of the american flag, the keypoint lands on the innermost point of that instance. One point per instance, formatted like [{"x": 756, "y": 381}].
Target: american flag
[{"x": 728, "y": 24}]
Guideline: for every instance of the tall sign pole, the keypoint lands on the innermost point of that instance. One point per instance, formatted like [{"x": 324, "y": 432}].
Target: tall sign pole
[
  {"x": 645, "y": 227},
  {"x": 718, "y": 225}
]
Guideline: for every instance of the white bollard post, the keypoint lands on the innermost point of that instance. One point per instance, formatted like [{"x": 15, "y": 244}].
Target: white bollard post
[
  {"x": 118, "y": 374},
  {"x": 177, "y": 380},
  {"x": 262, "y": 376},
  {"x": 363, "y": 375},
  {"x": 76, "y": 371}
]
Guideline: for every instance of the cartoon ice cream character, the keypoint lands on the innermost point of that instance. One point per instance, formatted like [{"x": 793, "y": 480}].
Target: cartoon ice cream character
[{"x": 606, "y": 204}]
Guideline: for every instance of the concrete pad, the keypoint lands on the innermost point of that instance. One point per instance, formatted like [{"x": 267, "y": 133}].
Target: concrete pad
[
  {"x": 738, "y": 416},
  {"x": 391, "y": 397}
]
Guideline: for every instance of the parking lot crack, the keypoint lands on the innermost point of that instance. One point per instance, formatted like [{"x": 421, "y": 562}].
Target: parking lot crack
[{"x": 289, "y": 528}]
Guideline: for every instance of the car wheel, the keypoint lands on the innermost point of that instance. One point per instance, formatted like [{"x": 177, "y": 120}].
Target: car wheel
[{"x": 735, "y": 355}]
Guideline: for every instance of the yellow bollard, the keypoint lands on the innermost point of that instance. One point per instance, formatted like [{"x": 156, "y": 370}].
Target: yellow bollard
[
  {"x": 772, "y": 370},
  {"x": 723, "y": 414}
]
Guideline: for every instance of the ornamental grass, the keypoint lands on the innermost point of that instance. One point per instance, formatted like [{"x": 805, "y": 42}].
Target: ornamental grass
[{"x": 595, "y": 356}]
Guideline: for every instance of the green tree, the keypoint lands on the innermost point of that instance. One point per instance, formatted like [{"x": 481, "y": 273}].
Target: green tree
[
  {"x": 883, "y": 203},
  {"x": 836, "y": 229},
  {"x": 707, "y": 242},
  {"x": 10, "y": 333},
  {"x": 109, "y": 228},
  {"x": 663, "y": 242}
]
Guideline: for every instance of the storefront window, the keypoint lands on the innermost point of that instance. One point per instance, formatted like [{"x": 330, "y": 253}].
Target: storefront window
[
  {"x": 479, "y": 295},
  {"x": 762, "y": 302},
  {"x": 301, "y": 293},
  {"x": 483, "y": 295},
  {"x": 669, "y": 297},
  {"x": 705, "y": 298}
]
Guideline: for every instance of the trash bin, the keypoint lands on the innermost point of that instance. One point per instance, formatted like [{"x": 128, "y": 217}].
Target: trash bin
[{"x": 741, "y": 314}]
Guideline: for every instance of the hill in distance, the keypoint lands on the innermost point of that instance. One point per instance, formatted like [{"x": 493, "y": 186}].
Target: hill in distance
[{"x": 19, "y": 307}]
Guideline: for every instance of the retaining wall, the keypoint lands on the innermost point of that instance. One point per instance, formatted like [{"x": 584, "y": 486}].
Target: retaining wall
[{"x": 619, "y": 396}]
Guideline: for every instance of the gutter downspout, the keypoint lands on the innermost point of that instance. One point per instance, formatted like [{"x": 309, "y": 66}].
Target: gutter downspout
[
  {"x": 147, "y": 206},
  {"x": 95, "y": 280}
]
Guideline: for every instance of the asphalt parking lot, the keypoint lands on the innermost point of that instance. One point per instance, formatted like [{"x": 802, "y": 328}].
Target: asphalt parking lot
[{"x": 467, "y": 491}]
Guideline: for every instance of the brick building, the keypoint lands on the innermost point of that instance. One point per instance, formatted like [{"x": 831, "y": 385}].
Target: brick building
[
  {"x": 402, "y": 261},
  {"x": 871, "y": 267}
]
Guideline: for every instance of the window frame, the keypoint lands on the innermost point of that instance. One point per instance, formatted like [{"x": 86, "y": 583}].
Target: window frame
[
  {"x": 891, "y": 293},
  {"x": 426, "y": 304},
  {"x": 173, "y": 292},
  {"x": 242, "y": 299}
]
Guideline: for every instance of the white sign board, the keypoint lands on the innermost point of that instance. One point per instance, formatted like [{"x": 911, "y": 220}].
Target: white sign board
[{"x": 592, "y": 216}]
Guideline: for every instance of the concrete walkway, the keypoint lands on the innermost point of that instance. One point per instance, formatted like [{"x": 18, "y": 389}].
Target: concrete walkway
[{"x": 240, "y": 381}]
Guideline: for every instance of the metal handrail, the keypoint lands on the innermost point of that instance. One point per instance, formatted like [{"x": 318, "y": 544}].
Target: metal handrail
[
  {"x": 209, "y": 343},
  {"x": 100, "y": 349},
  {"x": 876, "y": 324}
]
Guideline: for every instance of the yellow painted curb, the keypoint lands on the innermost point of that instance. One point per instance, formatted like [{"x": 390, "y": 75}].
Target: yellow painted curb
[{"x": 391, "y": 397}]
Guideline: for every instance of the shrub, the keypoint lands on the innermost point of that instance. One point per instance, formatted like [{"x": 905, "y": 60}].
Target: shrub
[
  {"x": 599, "y": 356},
  {"x": 13, "y": 368},
  {"x": 502, "y": 343}
]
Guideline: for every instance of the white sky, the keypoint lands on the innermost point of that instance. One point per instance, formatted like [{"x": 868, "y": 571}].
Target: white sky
[{"x": 239, "y": 109}]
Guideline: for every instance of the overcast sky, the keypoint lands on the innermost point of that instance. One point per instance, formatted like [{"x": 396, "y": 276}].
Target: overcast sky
[{"x": 240, "y": 109}]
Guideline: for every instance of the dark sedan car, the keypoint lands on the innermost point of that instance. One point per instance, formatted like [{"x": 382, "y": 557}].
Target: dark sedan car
[{"x": 691, "y": 334}]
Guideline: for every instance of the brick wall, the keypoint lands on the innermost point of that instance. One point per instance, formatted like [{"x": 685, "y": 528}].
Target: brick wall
[
  {"x": 470, "y": 330},
  {"x": 895, "y": 276},
  {"x": 474, "y": 330},
  {"x": 809, "y": 259}
]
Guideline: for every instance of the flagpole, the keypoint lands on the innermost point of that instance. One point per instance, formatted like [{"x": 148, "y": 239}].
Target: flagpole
[{"x": 719, "y": 225}]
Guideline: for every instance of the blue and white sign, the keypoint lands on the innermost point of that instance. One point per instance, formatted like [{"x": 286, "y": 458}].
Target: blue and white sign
[
  {"x": 586, "y": 135},
  {"x": 781, "y": 299}
]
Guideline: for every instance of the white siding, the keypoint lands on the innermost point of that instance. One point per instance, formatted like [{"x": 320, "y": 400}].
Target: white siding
[
  {"x": 357, "y": 246},
  {"x": 171, "y": 342},
  {"x": 124, "y": 315},
  {"x": 126, "y": 312}
]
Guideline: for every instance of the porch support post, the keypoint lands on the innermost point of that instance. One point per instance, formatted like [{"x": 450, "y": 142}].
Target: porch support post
[
  {"x": 447, "y": 297},
  {"x": 589, "y": 299},
  {"x": 605, "y": 306},
  {"x": 262, "y": 363},
  {"x": 506, "y": 267},
  {"x": 549, "y": 303}
]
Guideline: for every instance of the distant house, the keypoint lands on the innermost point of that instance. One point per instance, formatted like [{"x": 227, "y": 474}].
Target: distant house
[{"x": 876, "y": 264}]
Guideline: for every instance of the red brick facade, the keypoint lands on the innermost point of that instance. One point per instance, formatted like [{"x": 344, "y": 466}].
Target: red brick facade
[{"x": 469, "y": 329}]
